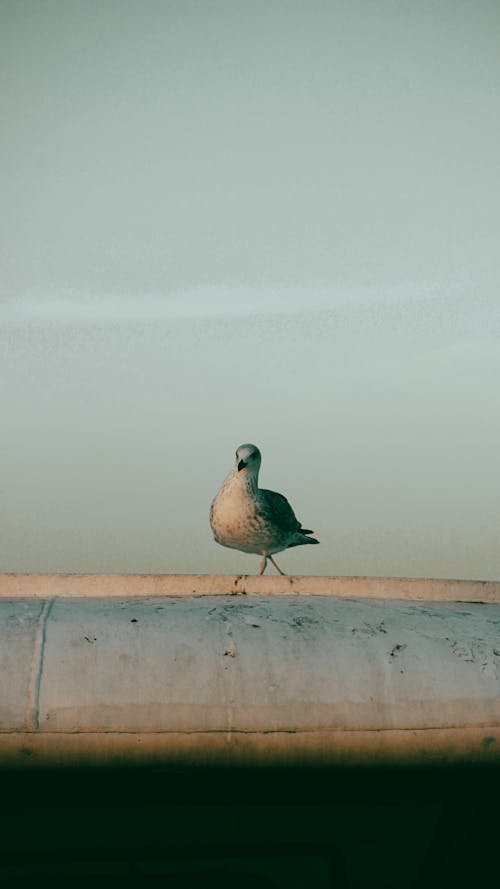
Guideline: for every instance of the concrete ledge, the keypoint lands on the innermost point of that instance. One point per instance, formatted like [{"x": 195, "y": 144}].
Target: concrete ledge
[
  {"x": 247, "y": 679},
  {"x": 345, "y": 749},
  {"x": 139, "y": 585}
]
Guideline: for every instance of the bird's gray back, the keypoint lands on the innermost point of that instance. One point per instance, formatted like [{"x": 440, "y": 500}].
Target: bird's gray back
[{"x": 277, "y": 510}]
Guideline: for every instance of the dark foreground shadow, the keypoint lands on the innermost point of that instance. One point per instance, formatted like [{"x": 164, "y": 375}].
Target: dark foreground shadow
[{"x": 269, "y": 828}]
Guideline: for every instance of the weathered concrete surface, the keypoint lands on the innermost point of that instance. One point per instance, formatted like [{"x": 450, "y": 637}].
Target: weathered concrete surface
[
  {"x": 140, "y": 585},
  {"x": 19, "y": 649},
  {"x": 244, "y": 679}
]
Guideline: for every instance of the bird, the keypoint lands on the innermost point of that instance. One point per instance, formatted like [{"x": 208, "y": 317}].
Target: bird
[{"x": 252, "y": 519}]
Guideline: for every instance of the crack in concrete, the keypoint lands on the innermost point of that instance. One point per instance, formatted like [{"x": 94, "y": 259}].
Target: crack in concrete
[
  {"x": 452, "y": 728},
  {"x": 33, "y": 715}
]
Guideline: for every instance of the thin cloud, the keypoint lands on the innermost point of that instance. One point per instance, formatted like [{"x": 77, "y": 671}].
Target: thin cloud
[{"x": 205, "y": 302}]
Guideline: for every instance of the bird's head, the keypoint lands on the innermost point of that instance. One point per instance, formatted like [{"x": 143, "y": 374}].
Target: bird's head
[{"x": 248, "y": 459}]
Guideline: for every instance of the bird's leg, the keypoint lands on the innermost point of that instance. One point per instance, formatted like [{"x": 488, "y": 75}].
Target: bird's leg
[
  {"x": 276, "y": 566},
  {"x": 263, "y": 563}
]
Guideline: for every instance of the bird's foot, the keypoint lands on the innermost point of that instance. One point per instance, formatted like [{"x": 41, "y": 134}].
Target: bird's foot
[{"x": 276, "y": 566}]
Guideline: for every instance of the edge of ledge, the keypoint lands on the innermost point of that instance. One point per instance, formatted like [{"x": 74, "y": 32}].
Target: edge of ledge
[
  {"x": 44, "y": 586},
  {"x": 463, "y": 745}
]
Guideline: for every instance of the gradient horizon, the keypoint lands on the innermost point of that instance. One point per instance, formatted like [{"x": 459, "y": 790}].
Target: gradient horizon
[{"x": 274, "y": 223}]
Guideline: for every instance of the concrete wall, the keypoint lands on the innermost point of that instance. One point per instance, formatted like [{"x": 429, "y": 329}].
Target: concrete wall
[{"x": 100, "y": 669}]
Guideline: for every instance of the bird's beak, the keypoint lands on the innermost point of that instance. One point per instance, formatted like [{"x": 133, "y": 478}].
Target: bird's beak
[{"x": 241, "y": 465}]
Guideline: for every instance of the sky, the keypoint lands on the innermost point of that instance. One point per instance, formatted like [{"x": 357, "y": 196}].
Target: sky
[{"x": 270, "y": 222}]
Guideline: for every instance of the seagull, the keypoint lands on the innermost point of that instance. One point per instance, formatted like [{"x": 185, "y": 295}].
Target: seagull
[{"x": 252, "y": 519}]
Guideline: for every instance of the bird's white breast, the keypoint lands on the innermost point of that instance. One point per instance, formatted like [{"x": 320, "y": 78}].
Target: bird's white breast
[
  {"x": 235, "y": 521},
  {"x": 238, "y": 520}
]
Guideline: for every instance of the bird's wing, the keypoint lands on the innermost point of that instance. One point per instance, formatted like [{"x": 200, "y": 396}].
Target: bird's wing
[{"x": 278, "y": 510}]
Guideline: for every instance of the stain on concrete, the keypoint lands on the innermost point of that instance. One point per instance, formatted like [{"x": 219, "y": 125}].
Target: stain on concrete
[{"x": 397, "y": 649}]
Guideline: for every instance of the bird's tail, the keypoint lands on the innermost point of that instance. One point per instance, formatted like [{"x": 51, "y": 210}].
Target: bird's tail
[{"x": 303, "y": 538}]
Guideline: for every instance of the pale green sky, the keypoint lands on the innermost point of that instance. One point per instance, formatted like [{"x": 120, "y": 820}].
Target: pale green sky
[{"x": 268, "y": 222}]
